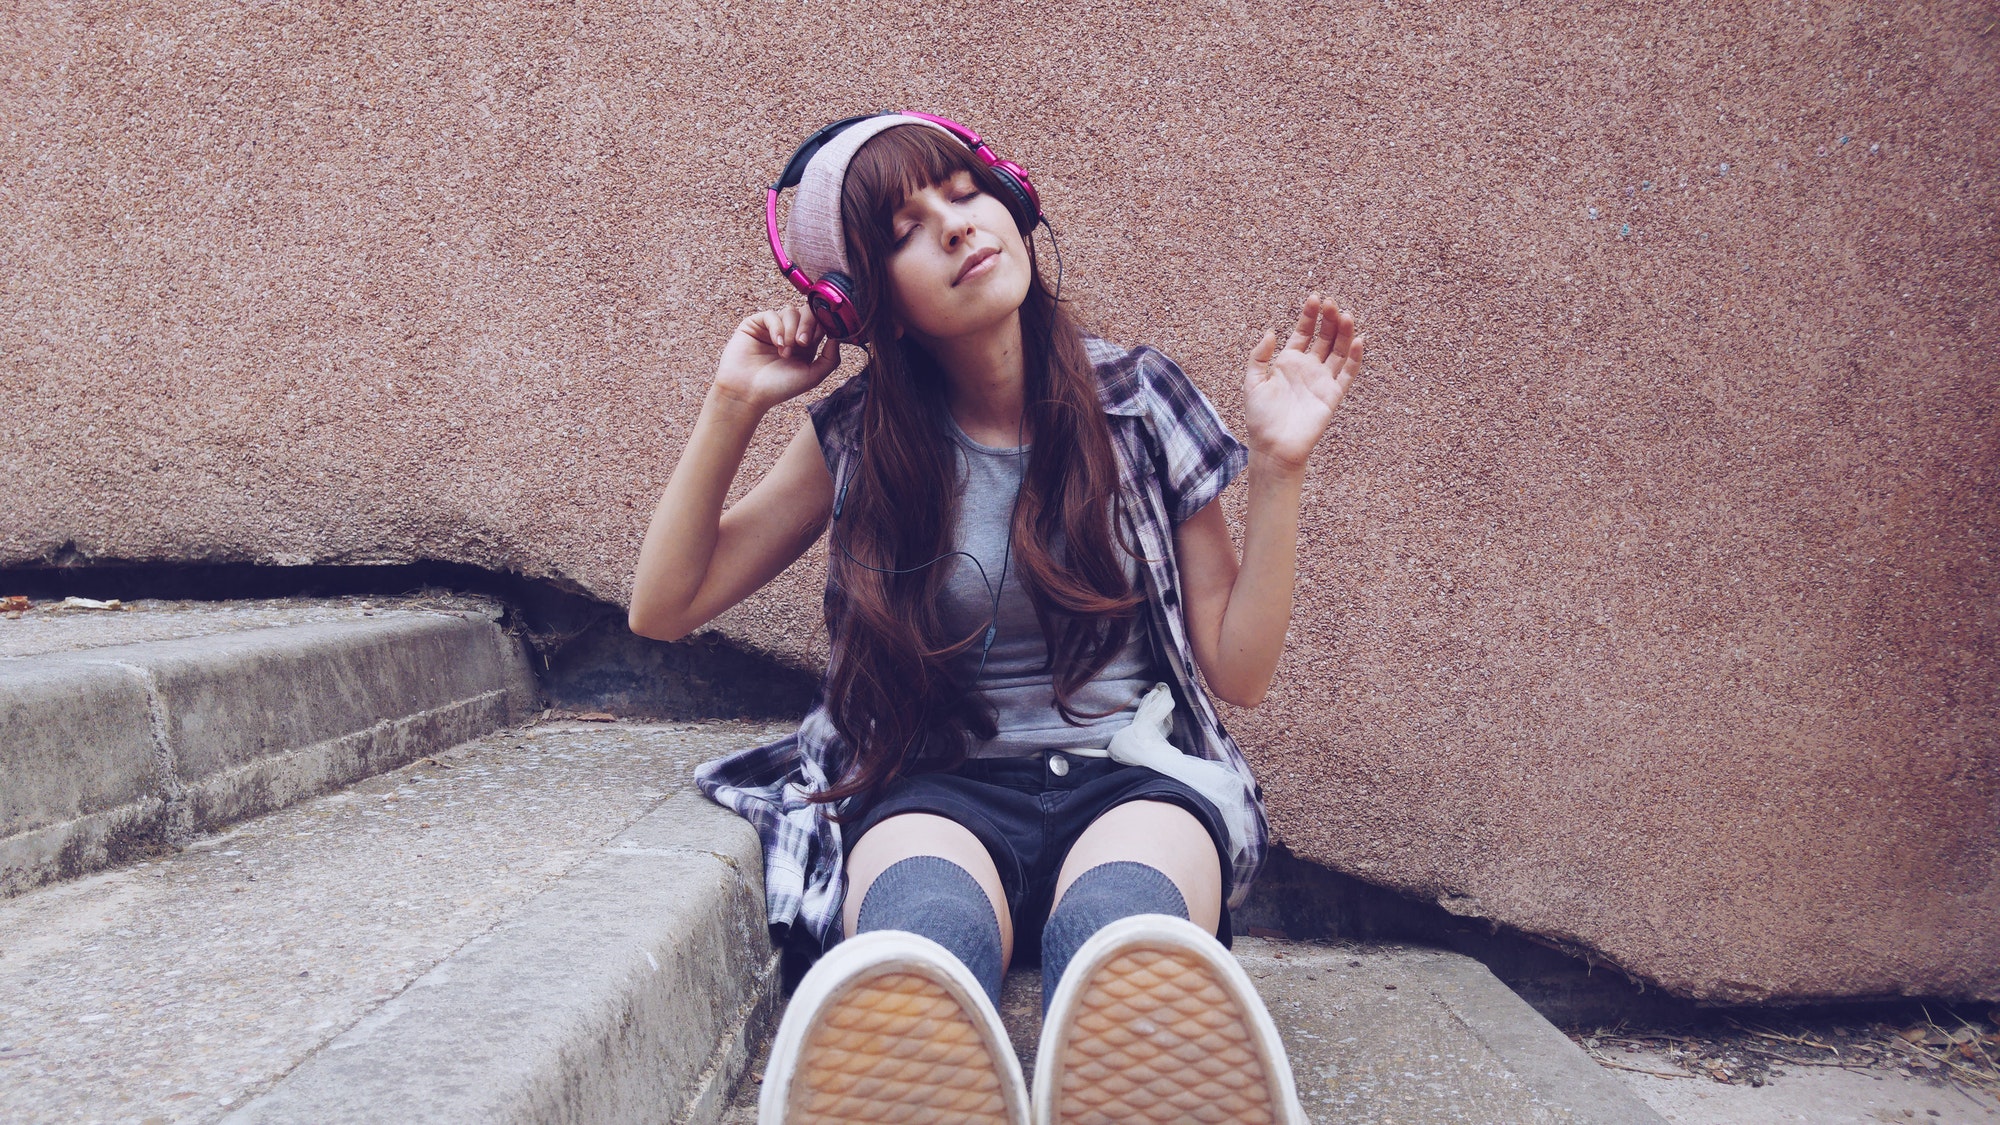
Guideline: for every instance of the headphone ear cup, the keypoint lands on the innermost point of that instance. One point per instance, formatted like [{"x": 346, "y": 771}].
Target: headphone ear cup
[
  {"x": 1022, "y": 201},
  {"x": 832, "y": 302}
]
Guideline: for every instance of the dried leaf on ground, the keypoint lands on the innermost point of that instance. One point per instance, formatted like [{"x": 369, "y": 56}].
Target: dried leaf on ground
[{"x": 1939, "y": 1043}]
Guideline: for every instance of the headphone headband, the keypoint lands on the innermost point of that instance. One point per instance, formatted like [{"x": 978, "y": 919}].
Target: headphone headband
[{"x": 795, "y": 168}]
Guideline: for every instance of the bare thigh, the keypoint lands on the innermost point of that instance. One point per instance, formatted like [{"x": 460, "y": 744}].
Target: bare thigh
[
  {"x": 912, "y": 834},
  {"x": 1162, "y": 836}
]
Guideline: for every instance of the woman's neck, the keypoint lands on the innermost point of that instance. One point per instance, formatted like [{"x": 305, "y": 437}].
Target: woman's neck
[{"x": 986, "y": 380}]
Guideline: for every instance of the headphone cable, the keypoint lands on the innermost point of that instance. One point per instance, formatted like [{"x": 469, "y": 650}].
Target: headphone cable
[
  {"x": 1006, "y": 555},
  {"x": 1057, "y": 247}
]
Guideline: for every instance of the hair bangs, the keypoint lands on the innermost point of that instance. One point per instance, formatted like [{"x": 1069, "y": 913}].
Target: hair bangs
[{"x": 895, "y": 164}]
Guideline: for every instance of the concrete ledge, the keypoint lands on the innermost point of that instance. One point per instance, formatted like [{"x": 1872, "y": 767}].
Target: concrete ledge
[
  {"x": 276, "y": 780},
  {"x": 232, "y": 700},
  {"x": 1426, "y": 1036},
  {"x": 631, "y": 991},
  {"x": 1532, "y": 1047},
  {"x": 109, "y": 752},
  {"x": 75, "y": 739}
]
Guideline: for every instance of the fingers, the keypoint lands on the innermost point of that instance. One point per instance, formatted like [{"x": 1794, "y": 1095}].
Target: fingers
[
  {"x": 1302, "y": 332},
  {"x": 1265, "y": 349},
  {"x": 761, "y": 326},
  {"x": 1323, "y": 329},
  {"x": 793, "y": 335},
  {"x": 794, "y": 331},
  {"x": 829, "y": 358},
  {"x": 808, "y": 331},
  {"x": 1260, "y": 359}
]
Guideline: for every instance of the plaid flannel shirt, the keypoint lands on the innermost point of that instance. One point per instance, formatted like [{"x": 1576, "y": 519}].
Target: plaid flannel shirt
[{"x": 1174, "y": 458}]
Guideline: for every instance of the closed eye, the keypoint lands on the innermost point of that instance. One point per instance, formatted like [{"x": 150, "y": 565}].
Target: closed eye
[{"x": 972, "y": 193}]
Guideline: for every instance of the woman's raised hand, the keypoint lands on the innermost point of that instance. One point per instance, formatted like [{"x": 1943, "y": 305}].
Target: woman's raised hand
[
  {"x": 775, "y": 355},
  {"x": 1289, "y": 395}
]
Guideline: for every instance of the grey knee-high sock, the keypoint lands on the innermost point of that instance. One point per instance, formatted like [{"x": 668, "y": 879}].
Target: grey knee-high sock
[
  {"x": 1099, "y": 897},
  {"x": 932, "y": 896}
]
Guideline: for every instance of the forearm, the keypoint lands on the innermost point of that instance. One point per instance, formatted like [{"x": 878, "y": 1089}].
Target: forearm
[
  {"x": 681, "y": 537},
  {"x": 1289, "y": 397},
  {"x": 1251, "y": 637}
]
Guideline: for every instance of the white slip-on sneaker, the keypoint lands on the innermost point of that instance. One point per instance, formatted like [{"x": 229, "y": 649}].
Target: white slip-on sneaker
[
  {"x": 1155, "y": 1022},
  {"x": 888, "y": 1028}
]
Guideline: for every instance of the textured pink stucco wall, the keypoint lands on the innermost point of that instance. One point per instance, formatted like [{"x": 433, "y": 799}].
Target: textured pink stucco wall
[{"x": 1647, "y": 592}]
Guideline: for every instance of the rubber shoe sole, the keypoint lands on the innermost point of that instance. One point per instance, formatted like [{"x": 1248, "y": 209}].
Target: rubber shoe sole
[
  {"x": 1155, "y": 1022},
  {"x": 889, "y": 1028}
]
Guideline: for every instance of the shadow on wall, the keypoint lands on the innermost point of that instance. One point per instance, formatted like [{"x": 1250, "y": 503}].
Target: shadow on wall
[
  {"x": 1301, "y": 900},
  {"x": 609, "y": 668},
  {"x": 586, "y": 658}
]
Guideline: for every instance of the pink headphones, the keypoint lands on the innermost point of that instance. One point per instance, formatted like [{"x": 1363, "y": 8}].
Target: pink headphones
[{"x": 831, "y": 297}]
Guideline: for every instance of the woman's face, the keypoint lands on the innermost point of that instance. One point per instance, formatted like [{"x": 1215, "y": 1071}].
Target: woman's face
[{"x": 957, "y": 262}]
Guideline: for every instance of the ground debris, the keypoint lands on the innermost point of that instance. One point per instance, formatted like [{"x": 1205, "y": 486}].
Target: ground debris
[
  {"x": 74, "y": 602},
  {"x": 1751, "y": 1047}
]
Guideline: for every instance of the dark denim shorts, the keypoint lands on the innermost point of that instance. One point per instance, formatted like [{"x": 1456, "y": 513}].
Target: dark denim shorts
[{"x": 1028, "y": 811}]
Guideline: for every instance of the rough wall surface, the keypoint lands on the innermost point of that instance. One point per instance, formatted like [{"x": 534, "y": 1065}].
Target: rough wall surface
[{"x": 1647, "y": 596}]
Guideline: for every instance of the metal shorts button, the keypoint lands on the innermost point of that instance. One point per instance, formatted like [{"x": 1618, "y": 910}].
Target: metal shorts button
[{"x": 1058, "y": 765}]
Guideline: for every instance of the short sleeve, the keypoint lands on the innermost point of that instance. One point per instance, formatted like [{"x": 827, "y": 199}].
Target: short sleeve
[{"x": 1201, "y": 457}]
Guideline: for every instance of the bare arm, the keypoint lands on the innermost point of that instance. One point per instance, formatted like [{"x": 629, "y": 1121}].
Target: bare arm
[
  {"x": 698, "y": 560},
  {"x": 1237, "y": 614}
]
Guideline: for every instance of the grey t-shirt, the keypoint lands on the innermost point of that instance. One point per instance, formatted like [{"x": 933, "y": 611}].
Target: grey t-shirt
[{"x": 1017, "y": 679}]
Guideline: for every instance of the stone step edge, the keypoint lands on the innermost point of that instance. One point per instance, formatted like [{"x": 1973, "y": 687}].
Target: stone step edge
[
  {"x": 114, "y": 753},
  {"x": 1536, "y": 1052},
  {"x": 634, "y": 989}
]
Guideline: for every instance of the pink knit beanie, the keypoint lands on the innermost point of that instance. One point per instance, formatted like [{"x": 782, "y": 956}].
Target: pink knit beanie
[{"x": 813, "y": 235}]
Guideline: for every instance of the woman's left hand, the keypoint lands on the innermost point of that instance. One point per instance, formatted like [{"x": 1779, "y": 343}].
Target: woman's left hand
[{"x": 1289, "y": 395}]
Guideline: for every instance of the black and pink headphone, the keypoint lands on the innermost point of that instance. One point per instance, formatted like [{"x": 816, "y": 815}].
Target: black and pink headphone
[{"x": 831, "y": 297}]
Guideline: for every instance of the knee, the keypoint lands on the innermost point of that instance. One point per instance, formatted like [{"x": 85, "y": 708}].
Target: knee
[
  {"x": 937, "y": 899},
  {"x": 1119, "y": 889},
  {"x": 1097, "y": 898},
  {"x": 920, "y": 887}
]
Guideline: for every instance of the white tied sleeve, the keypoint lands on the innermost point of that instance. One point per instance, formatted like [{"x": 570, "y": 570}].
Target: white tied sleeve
[{"x": 1143, "y": 742}]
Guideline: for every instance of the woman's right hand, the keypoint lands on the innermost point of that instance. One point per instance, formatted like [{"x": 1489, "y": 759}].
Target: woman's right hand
[{"x": 775, "y": 355}]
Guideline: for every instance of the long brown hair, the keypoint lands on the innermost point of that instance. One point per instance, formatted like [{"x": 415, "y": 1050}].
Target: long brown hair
[{"x": 895, "y": 688}]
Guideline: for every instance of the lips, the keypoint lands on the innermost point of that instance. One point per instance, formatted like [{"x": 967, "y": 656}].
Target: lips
[{"x": 973, "y": 262}]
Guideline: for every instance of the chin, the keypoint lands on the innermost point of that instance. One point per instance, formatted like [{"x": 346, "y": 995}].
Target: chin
[
  {"x": 1015, "y": 289},
  {"x": 977, "y": 307},
  {"x": 984, "y": 314}
]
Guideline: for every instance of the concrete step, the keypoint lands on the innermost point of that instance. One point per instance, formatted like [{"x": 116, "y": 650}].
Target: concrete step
[
  {"x": 126, "y": 732},
  {"x": 543, "y": 925},
  {"x": 1381, "y": 1033}
]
